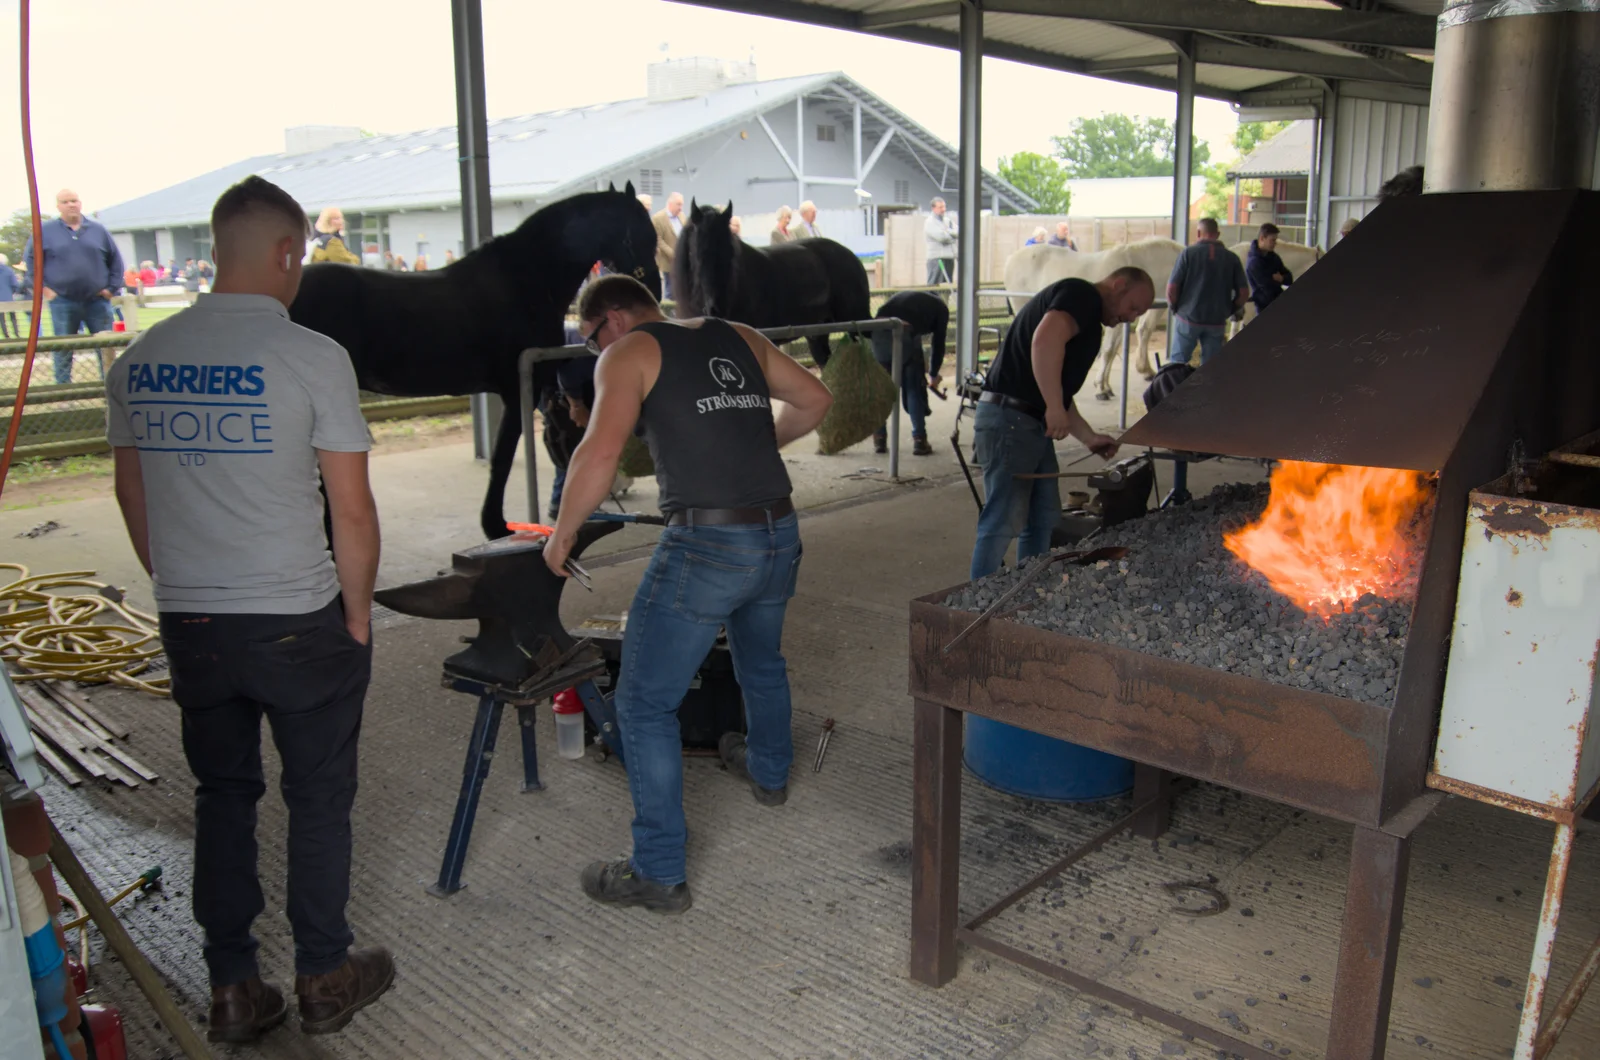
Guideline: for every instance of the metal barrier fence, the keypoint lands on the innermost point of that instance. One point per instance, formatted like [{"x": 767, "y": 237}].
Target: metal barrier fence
[
  {"x": 531, "y": 357},
  {"x": 69, "y": 418}
]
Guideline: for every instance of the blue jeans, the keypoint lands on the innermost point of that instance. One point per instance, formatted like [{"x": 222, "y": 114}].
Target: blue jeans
[
  {"x": 68, "y": 317},
  {"x": 1185, "y": 335},
  {"x": 1009, "y": 443},
  {"x": 700, "y": 580},
  {"x": 913, "y": 389}
]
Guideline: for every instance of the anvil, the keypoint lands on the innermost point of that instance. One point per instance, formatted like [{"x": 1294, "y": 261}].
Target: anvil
[{"x": 521, "y": 643}]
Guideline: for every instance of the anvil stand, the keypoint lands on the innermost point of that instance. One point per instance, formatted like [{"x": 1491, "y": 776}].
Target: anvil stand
[{"x": 492, "y": 701}]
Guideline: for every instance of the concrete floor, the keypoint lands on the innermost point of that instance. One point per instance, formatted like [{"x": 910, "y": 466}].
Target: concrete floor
[{"x": 797, "y": 944}]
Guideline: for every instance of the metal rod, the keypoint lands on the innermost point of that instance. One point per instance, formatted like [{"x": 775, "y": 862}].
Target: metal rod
[
  {"x": 967, "y": 265},
  {"x": 472, "y": 139},
  {"x": 1576, "y": 459},
  {"x": 116, "y": 936},
  {"x": 897, "y": 364},
  {"x": 1568, "y": 1004},
  {"x": 530, "y": 451},
  {"x": 1105, "y": 836},
  {"x": 1127, "y": 347},
  {"x": 1138, "y": 1006},
  {"x": 1544, "y": 943}
]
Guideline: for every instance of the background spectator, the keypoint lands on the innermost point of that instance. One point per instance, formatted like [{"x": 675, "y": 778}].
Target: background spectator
[
  {"x": 149, "y": 275},
  {"x": 1206, "y": 288},
  {"x": 1039, "y": 235},
  {"x": 329, "y": 243},
  {"x": 735, "y": 225},
  {"x": 190, "y": 276},
  {"x": 940, "y": 236},
  {"x": 1063, "y": 236},
  {"x": 669, "y": 225},
  {"x": 449, "y": 258},
  {"x": 421, "y": 264},
  {"x": 82, "y": 271},
  {"x": 780, "y": 231},
  {"x": 807, "y": 228},
  {"x": 10, "y": 290}
]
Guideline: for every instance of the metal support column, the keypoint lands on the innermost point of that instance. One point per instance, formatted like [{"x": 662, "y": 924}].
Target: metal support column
[
  {"x": 855, "y": 136},
  {"x": 1183, "y": 149},
  {"x": 1326, "y": 145},
  {"x": 800, "y": 151},
  {"x": 970, "y": 191},
  {"x": 472, "y": 139}
]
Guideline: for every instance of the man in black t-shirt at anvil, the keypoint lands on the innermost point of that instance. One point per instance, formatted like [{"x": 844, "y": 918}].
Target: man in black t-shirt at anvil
[{"x": 1027, "y": 406}]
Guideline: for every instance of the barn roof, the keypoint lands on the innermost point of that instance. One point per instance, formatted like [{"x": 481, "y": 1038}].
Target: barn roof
[
  {"x": 1287, "y": 154},
  {"x": 532, "y": 157}
]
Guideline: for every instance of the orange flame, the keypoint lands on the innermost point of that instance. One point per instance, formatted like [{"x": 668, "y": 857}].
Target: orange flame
[{"x": 1332, "y": 533}]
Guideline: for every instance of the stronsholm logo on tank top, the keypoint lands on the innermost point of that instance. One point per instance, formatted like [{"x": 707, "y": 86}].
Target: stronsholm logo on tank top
[{"x": 728, "y": 375}]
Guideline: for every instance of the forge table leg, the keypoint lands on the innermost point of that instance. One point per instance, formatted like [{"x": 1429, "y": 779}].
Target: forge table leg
[
  {"x": 604, "y": 716},
  {"x": 1363, "y": 987},
  {"x": 480, "y": 751},
  {"x": 1544, "y": 943},
  {"x": 1148, "y": 782},
  {"x": 526, "y": 719},
  {"x": 935, "y": 842}
]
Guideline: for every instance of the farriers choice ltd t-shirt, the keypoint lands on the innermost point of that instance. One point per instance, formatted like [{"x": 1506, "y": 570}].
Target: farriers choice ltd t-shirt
[{"x": 227, "y": 403}]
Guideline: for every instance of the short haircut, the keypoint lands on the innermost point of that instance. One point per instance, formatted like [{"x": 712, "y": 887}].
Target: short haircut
[
  {"x": 615, "y": 291},
  {"x": 1208, "y": 225},
  {"x": 1268, "y": 229},
  {"x": 1348, "y": 226},
  {"x": 1134, "y": 275},
  {"x": 254, "y": 195},
  {"x": 936, "y": 202}
]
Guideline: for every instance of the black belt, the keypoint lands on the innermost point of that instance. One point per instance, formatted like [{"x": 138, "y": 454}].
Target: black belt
[
  {"x": 731, "y": 516},
  {"x": 990, "y": 397}
]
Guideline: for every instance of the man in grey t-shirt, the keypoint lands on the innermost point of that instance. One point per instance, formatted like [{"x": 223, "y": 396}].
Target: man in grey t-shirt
[{"x": 225, "y": 419}]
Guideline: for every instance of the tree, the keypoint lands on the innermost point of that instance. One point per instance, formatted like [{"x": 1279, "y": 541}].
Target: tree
[
  {"x": 1040, "y": 177},
  {"x": 15, "y": 233},
  {"x": 1251, "y": 134},
  {"x": 1118, "y": 145}
]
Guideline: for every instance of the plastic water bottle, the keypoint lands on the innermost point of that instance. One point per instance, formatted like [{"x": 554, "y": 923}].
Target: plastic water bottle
[{"x": 569, "y": 723}]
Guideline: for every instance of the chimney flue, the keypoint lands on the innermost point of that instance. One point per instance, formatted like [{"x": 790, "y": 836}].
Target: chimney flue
[{"x": 1516, "y": 96}]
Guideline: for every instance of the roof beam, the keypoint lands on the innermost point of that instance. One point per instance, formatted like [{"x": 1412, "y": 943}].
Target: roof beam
[
  {"x": 873, "y": 20},
  {"x": 1315, "y": 64},
  {"x": 1388, "y": 29},
  {"x": 1134, "y": 62}
]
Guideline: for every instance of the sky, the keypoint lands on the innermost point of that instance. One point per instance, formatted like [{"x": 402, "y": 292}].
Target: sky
[{"x": 129, "y": 100}]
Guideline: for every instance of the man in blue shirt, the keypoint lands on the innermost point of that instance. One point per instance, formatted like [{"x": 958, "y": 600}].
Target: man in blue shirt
[
  {"x": 82, "y": 270},
  {"x": 1207, "y": 287}
]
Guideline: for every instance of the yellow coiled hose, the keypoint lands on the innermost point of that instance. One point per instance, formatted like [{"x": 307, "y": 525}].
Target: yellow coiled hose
[{"x": 92, "y": 637}]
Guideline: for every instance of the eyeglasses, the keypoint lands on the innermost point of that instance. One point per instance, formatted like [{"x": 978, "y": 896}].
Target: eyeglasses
[{"x": 592, "y": 340}]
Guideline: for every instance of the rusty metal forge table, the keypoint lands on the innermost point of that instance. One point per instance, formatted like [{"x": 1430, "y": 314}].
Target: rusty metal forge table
[{"x": 1330, "y": 755}]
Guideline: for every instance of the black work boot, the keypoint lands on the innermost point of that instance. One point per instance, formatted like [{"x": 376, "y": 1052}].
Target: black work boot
[
  {"x": 880, "y": 441},
  {"x": 733, "y": 751},
  {"x": 615, "y": 883},
  {"x": 920, "y": 446},
  {"x": 243, "y": 1012},
  {"x": 327, "y": 1002}
]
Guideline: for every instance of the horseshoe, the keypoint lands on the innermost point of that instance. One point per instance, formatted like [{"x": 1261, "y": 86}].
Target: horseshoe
[{"x": 1219, "y": 899}]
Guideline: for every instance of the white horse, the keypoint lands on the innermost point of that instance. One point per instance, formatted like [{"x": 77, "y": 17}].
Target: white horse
[{"x": 1034, "y": 268}]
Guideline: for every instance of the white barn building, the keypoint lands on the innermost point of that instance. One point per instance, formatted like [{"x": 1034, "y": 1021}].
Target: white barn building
[{"x": 706, "y": 128}]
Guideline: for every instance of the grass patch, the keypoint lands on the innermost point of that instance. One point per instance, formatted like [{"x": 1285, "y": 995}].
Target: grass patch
[{"x": 37, "y": 471}]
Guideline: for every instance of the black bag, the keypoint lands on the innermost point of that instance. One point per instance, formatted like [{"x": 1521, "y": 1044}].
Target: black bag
[{"x": 1171, "y": 376}]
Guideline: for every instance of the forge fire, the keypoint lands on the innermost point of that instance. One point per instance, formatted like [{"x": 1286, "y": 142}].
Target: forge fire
[{"x": 1323, "y": 604}]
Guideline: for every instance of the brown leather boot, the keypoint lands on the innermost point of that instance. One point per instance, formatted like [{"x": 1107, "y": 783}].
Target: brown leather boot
[
  {"x": 243, "y": 1012},
  {"x": 328, "y": 1001}
]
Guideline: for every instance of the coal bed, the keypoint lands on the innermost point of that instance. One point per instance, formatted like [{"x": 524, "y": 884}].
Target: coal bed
[{"x": 1179, "y": 593}]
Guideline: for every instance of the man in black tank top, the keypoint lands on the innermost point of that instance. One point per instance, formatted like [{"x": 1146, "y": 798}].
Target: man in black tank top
[{"x": 727, "y": 559}]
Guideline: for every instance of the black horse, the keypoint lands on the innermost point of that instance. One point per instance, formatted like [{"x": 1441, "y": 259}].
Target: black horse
[
  {"x": 460, "y": 329},
  {"x": 814, "y": 281}
]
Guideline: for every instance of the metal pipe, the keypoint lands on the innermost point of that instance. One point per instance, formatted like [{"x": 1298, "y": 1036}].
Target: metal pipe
[
  {"x": 799, "y": 150},
  {"x": 1568, "y": 1004},
  {"x": 1327, "y": 127},
  {"x": 1127, "y": 348},
  {"x": 1544, "y": 943},
  {"x": 1516, "y": 96},
  {"x": 530, "y": 452},
  {"x": 897, "y": 366},
  {"x": 1183, "y": 148},
  {"x": 472, "y": 141},
  {"x": 967, "y": 265}
]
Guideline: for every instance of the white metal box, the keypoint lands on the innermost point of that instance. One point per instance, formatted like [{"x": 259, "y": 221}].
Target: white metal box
[{"x": 1519, "y": 695}]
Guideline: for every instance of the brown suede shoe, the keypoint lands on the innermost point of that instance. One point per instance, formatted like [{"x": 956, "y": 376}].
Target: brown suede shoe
[
  {"x": 243, "y": 1012},
  {"x": 328, "y": 1001}
]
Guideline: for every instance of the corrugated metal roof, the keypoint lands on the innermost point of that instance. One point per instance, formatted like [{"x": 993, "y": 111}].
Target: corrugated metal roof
[
  {"x": 532, "y": 157},
  {"x": 1287, "y": 154}
]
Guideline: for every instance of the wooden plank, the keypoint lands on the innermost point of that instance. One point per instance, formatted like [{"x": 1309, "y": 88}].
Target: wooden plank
[
  {"x": 61, "y": 691},
  {"x": 68, "y": 775},
  {"x": 68, "y": 746},
  {"x": 94, "y": 728}
]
